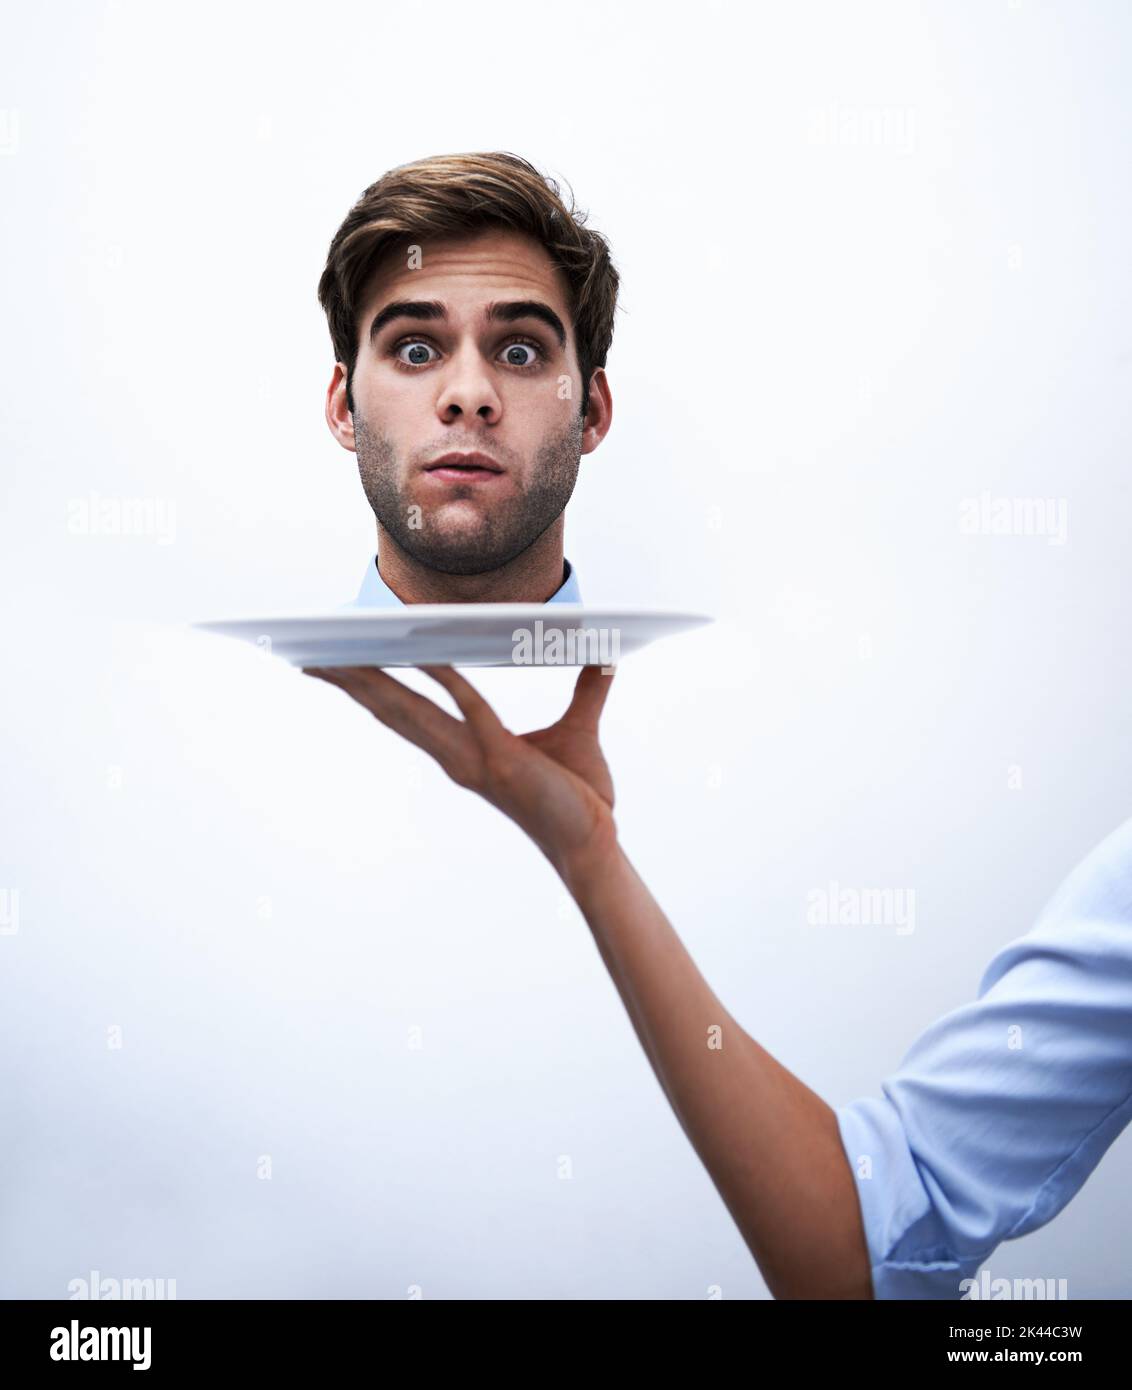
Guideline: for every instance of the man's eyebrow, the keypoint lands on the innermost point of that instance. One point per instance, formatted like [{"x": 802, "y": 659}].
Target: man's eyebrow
[
  {"x": 516, "y": 309},
  {"x": 424, "y": 310},
  {"x": 431, "y": 310}
]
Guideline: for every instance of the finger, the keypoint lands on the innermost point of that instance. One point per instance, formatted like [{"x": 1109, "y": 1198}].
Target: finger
[
  {"x": 590, "y": 693},
  {"x": 407, "y": 713},
  {"x": 471, "y": 704}
]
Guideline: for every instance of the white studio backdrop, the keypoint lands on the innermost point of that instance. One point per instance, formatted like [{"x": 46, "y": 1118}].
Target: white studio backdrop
[{"x": 285, "y": 1013}]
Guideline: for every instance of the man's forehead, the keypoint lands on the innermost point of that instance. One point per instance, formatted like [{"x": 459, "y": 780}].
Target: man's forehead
[{"x": 484, "y": 267}]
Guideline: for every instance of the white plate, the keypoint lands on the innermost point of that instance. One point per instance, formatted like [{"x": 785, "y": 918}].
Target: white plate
[{"x": 460, "y": 634}]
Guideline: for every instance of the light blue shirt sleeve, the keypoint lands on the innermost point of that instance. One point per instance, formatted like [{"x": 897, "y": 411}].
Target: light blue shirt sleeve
[
  {"x": 375, "y": 593},
  {"x": 1002, "y": 1109}
]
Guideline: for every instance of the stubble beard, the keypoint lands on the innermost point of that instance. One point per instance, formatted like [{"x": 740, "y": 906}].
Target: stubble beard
[{"x": 465, "y": 540}]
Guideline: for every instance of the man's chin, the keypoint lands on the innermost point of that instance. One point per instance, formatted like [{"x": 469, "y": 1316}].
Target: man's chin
[
  {"x": 458, "y": 553},
  {"x": 461, "y": 565}
]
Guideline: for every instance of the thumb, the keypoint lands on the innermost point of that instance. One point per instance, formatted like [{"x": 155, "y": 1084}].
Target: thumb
[{"x": 590, "y": 692}]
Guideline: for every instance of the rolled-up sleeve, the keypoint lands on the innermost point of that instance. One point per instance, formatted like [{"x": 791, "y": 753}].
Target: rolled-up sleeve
[{"x": 1002, "y": 1109}]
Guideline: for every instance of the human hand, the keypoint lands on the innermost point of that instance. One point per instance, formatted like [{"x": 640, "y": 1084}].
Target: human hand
[{"x": 554, "y": 783}]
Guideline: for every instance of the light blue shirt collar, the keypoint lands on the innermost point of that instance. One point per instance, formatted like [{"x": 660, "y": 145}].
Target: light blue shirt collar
[{"x": 375, "y": 593}]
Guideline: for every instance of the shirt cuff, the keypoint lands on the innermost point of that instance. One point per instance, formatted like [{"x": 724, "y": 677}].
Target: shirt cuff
[{"x": 893, "y": 1203}]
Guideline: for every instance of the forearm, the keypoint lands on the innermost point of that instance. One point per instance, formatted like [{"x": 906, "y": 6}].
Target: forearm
[{"x": 771, "y": 1145}]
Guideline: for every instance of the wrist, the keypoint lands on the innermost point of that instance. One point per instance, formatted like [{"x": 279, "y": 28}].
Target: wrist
[{"x": 585, "y": 863}]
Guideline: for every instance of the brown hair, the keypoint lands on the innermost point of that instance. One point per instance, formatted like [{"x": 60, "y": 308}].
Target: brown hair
[{"x": 450, "y": 194}]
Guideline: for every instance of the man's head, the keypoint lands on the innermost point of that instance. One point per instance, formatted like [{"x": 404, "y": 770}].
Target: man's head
[{"x": 471, "y": 312}]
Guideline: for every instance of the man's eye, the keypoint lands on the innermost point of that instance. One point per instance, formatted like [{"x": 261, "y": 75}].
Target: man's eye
[
  {"x": 414, "y": 354},
  {"x": 520, "y": 354}
]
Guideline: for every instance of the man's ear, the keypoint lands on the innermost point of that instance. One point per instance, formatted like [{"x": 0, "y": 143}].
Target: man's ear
[
  {"x": 599, "y": 412},
  {"x": 338, "y": 416}
]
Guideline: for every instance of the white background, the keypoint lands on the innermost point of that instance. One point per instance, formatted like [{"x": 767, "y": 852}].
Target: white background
[{"x": 875, "y": 261}]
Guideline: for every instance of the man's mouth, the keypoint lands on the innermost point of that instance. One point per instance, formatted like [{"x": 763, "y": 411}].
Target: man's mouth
[{"x": 464, "y": 468}]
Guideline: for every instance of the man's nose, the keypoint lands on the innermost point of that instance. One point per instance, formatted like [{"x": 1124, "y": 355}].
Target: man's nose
[{"x": 468, "y": 391}]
